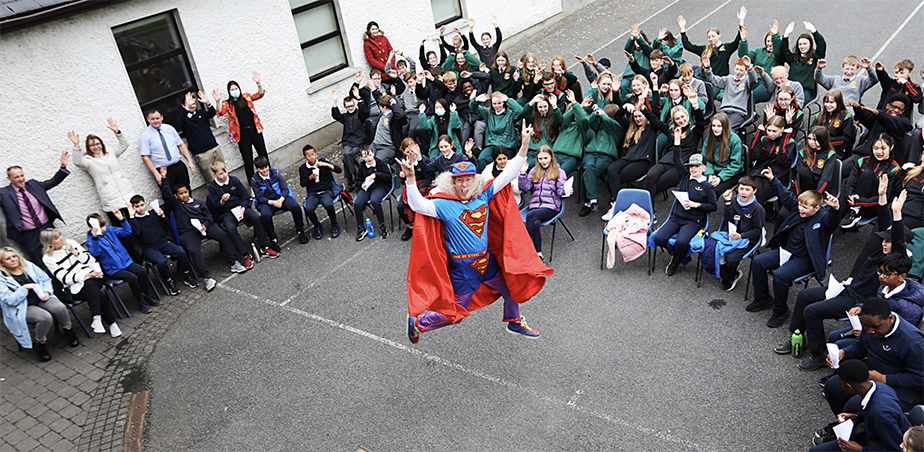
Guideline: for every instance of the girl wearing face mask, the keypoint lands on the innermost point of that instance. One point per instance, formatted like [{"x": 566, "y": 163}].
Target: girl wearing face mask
[
  {"x": 113, "y": 188},
  {"x": 913, "y": 183},
  {"x": 504, "y": 77},
  {"x": 377, "y": 47},
  {"x": 546, "y": 181},
  {"x": 445, "y": 121},
  {"x": 717, "y": 52},
  {"x": 723, "y": 154},
  {"x": 786, "y": 106},
  {"x": 815, "y": 165},
  {"x": 639, "y": 153},
  {"x": 838, "y": 121},
  {"x": 244, "y": 127},
  {"x": 804, "y": 56},
  {"x": 762, "y": 57},
  {"x": 774, "y": 147},
  {"x": 862, "y": 186},
  {"x": 664, "y": 174},
  {"x": 546, "y": 119}
]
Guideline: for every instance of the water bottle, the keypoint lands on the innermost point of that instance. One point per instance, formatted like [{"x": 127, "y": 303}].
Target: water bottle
[
  {"x": 369, "y": 229},
  {"x": 797, "y": 344}
]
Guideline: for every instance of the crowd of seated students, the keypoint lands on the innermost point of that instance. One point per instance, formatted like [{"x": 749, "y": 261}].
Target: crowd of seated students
[{"x": 663, "y": 123}]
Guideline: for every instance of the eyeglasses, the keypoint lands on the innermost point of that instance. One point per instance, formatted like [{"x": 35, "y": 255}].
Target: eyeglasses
[{"x": 886, "y": 274}]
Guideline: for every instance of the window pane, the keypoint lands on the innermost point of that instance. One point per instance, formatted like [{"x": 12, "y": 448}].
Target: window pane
[
  {"x": 324, "y": 55},
  {"x": 445, "y": 9},
  {"x": 315, "y": 22},
  {"x": 160, "y": 79},
  {"x": 146, "y": 38}
]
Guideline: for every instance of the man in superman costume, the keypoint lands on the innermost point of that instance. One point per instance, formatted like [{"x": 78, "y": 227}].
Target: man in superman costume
[{"x": 486, "y": 259}]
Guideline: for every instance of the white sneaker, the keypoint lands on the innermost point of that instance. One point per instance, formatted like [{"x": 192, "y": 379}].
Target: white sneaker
[
  {"x": 97, "y": 325},
  {"x": 609, "y": 213},
  {"x": 114, "y": 330},
  {"x": 210, "y": 284}
]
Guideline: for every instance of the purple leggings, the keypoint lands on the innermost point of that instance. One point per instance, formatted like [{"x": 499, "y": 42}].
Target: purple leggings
[{"x": 433, "y": 320}]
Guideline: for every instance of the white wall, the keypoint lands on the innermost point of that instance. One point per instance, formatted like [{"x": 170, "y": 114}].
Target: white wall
[{"x": 68, "y": 75}]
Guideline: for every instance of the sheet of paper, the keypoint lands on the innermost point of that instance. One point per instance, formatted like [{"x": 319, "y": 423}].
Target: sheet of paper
[
  {"x": 155, "y": 204},
  {"x": 844, "y": 429},
  {"x": 94, "y": 224},
  {"x": 95, "y": 266},
  {"x": 855, "y": 322},
  {"x": 835, "y": 288},
  {"x": 238, "y": 212},
  {"x": 681, "y": 196},
  {"x": 835, "y": 355},
  {"x": 39, "y": 291},
  {"x": 732, "y": 228},
  {"x": 784, "y": 256},
  {"x": 569, "y": 187},
  {"x": 197, "y": 224}
]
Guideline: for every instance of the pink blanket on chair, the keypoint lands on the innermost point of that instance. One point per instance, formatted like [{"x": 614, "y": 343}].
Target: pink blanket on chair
[{"x": 629, "y": 231}]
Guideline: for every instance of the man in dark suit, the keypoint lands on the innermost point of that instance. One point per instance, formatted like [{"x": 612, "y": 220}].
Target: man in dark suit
[{"x": 28, "y": 209}]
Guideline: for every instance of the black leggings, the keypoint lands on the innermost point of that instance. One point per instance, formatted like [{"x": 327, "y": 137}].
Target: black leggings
[
  {"x": 621, "y": 170},
  {"x": 659, "y": 178},
  {"x": 137, "y": 278},
  {"x": 727, "y": 184},
  {"x": 91, "y": 294},
  {"x": 251, "y": 139}
]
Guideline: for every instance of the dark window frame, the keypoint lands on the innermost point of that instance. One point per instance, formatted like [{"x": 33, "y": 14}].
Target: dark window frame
[
  {"x": 451, "y": 19},
  {"x": 333, "y": 34}
]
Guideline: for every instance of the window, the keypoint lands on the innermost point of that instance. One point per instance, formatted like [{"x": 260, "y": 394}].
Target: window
[
  {"x": 319, "y": 32},
  {"x": 445, "y": 11},
  {"x": 157, "y": 63}
]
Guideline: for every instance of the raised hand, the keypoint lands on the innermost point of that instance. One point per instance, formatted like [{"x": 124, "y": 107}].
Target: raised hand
[
  {"x": 742, "y": 13},
  {"x": 744, "y": 33},
  {"x": 704, "y": 61},
  {"x": 588, "y": 101},
  {"x": 452, "y": 107},
  {"x": 471, "y": 24},
  {"x": 883, "y": 187},
  {"x": 747, "y": 61},
  {"x": 727, "y": 195},
  {"x": 468, "y": 146},
  {"x": 879, "y": 66},
  {"x": 570, "y": 96},
  {"x": 216, "y": 95},
  {"x": 256, "y": 77},
  {"x": 832, "y": 201},
  {"x": 768, "y": 173},
  {"x": 334, "y": 96},
  {"x": 635, "y": 30},
  {"x": 64, "y": 158},
  {"x": 442, "y": 30},
  {"x": 775, "y": 27},
  {"x": 118, "y": 214},
  {"x": 808, "y": 26},
  {"x": 481, "y": 97},
  {"x": 822, "y": 63},
  {"x": 789, "y": 29},
  {"x": 662, "y": 34},
  {"x": 591, "y": 59},
  {"x": 527, "y": 133},
  {"x": 494, "y": 20},
  {"x": 790, "y": 114},
  {"x": 865, "y": 63},
  {"x": 682, "y": 23},
  {"x": 579, "y": 59},
  {"x": 113, "y": 125},
  {"x": 629, "y": 55},
  {"x": 769, "y": 111},
  {"x": 74, "y": 138},
  {"x": 899, "y": 202},
  {"x": 202, "y": 97}
]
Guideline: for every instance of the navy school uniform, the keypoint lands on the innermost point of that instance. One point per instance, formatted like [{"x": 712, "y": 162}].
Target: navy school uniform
[{"x": 686, "y": 223}]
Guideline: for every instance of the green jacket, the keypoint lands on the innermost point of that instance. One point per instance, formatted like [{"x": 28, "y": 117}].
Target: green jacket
[
  {"x": 719, "y": 59},
  {"x": 759, "y": 56},
  {"x": 609, "y": 135},
  {"x": 666, "y": 109},
  {"x": 500, "y": 129},
  {"x": 544, "y": 140},
  {"x": 641, "y": 55},
  {"x": 735, "y": 163},
  {"x": 473, "y": 64},
  {"x": 429, "y": 124},
  {"x": 594, "y": 93},
  {"x": 675, "y": 53},
  {"x": 798, "y": 71},
  {"x": 574, "y": 125},
  {"x": 504, "y": 82}
]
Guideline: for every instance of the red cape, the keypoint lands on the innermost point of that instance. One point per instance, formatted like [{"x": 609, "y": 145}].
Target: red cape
[{"x": 428, "y": 283}]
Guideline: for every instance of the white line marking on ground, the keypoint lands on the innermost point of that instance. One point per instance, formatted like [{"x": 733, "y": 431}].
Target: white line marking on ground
[
  {"x": 233, "y": 275},
  {"x": 571, "y": 404},
  {"x": 640, "y": 23},
  {"x": 897, "y": 31},
  {"x": 326, "y": 275}
]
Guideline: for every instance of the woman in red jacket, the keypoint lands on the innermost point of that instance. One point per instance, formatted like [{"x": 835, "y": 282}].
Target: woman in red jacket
[{"x": 376, "y": 47}]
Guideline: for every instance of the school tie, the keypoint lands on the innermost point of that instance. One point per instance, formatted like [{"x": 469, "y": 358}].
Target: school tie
[
  {"x": 32, "y": 214},
  {"x": 163, "y": 143}
]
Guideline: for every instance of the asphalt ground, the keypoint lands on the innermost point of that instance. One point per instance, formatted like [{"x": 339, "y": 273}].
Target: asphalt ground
[{"x": 309, "y": 351}]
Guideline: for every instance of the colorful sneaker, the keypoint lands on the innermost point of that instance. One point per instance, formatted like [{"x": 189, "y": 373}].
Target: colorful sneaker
[
  {"x": 521, "y": 328},
  {"x": 248, "y": 262},
  {"x": 270, "y": 253},
  {"x": 412, "y": 332}
]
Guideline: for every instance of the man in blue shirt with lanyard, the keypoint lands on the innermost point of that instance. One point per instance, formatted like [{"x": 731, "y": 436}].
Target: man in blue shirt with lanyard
[{"x": 161, "y": 146}]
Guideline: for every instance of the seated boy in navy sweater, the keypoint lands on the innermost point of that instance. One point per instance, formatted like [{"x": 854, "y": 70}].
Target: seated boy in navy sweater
[
  {"x": 748, "y": 217},
  {"x": 689, "y": 217},
  {"x": 148, "y": 231},
  {"x": 803, "y": 236},
  {"x": 229, "y": 201},
  {"x": 193, "y": 222},
  {"x": 272, "y": 194},
  {"x": 316, "y": 175}
]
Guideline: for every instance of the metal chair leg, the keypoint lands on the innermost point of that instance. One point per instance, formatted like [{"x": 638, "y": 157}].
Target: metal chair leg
[
  {"x": 112, "y": 291},
  {"x": 566, "y": 229},
  {"x": 602, "y": 252},
  {"x": 552, "y": 249},
  {"x": 151, "y": 268},
  {"x": 699, "y": 273},
  {"x": 86, "y": 330}
]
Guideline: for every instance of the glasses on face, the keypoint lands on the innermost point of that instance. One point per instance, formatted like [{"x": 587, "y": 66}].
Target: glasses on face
[
  {"x": 880, "y": 272},
  {"x": 896, "y": 107}
]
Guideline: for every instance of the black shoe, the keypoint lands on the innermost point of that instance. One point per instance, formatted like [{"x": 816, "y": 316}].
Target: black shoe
[
  {"x": 361, "y": 234},
  {"x": 585, "y": 211},
  {"x": 734, "y": 282},
  {"x": 726, "y": 285},
  {"x": 335, "y": 230},
  {"x": 145, "y": 309},
  {"x": 384, "y": 230},
  {"x": 811, "y": 362},
  {"x": 318, "y": 232},
  {"x": 171, "y": 288},
  {"x": 851, "y": 219},
  {"x": 759, "y": 305},
  {"x": 670, "y": 269},
  {"x": 785, "y": 347},
  {"x": 152, "y": 300},
  {"x": 594, "y": 207},
  {"x": 302, "y": 238},
  {"x": 824, "y": 380},
  {"x": 778, "y": 319},
  {"x": 41, "y": 352},
  {"x": 827, "y": 430},
  {"x": 824, "y": 439},
  {"x": 71, "y": 337},
  {"x": 408, "y": 233},
  {"x": 274, "y": 245},
  {"x": 190, "y": 280}
]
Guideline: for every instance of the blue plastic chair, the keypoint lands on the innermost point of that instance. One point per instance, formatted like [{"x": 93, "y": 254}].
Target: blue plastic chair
[
  {"x": 337, "y": 198},
  {"x": 551, "y": 222},
  {"x": 624, "y": 199},
  {"x": 388, "y": 197},
  {"x": 653, "y": 252}
]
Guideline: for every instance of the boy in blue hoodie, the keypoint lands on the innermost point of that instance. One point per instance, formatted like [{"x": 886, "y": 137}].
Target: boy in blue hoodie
[{"x": 103, "y": 244}]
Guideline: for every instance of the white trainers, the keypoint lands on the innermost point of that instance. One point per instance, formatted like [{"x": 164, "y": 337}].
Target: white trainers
[
  {"x": 210, "y": 284},
  {"x": 114, "y": 330},
  {"x": 609, "y": 213},
  {"x": 97, "y": 325}
]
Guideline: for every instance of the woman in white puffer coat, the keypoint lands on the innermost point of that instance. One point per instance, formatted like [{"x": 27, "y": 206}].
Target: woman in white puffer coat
[{"x": 113, "y": 188}]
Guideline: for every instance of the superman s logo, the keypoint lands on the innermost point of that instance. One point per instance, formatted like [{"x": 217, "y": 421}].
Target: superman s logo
[
  {"x": 475, "y": 219},
  {"x": 480, "y": 264}
]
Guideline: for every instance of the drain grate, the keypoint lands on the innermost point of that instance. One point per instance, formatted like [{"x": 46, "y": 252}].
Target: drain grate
[{"x": 136, "y": 413}]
